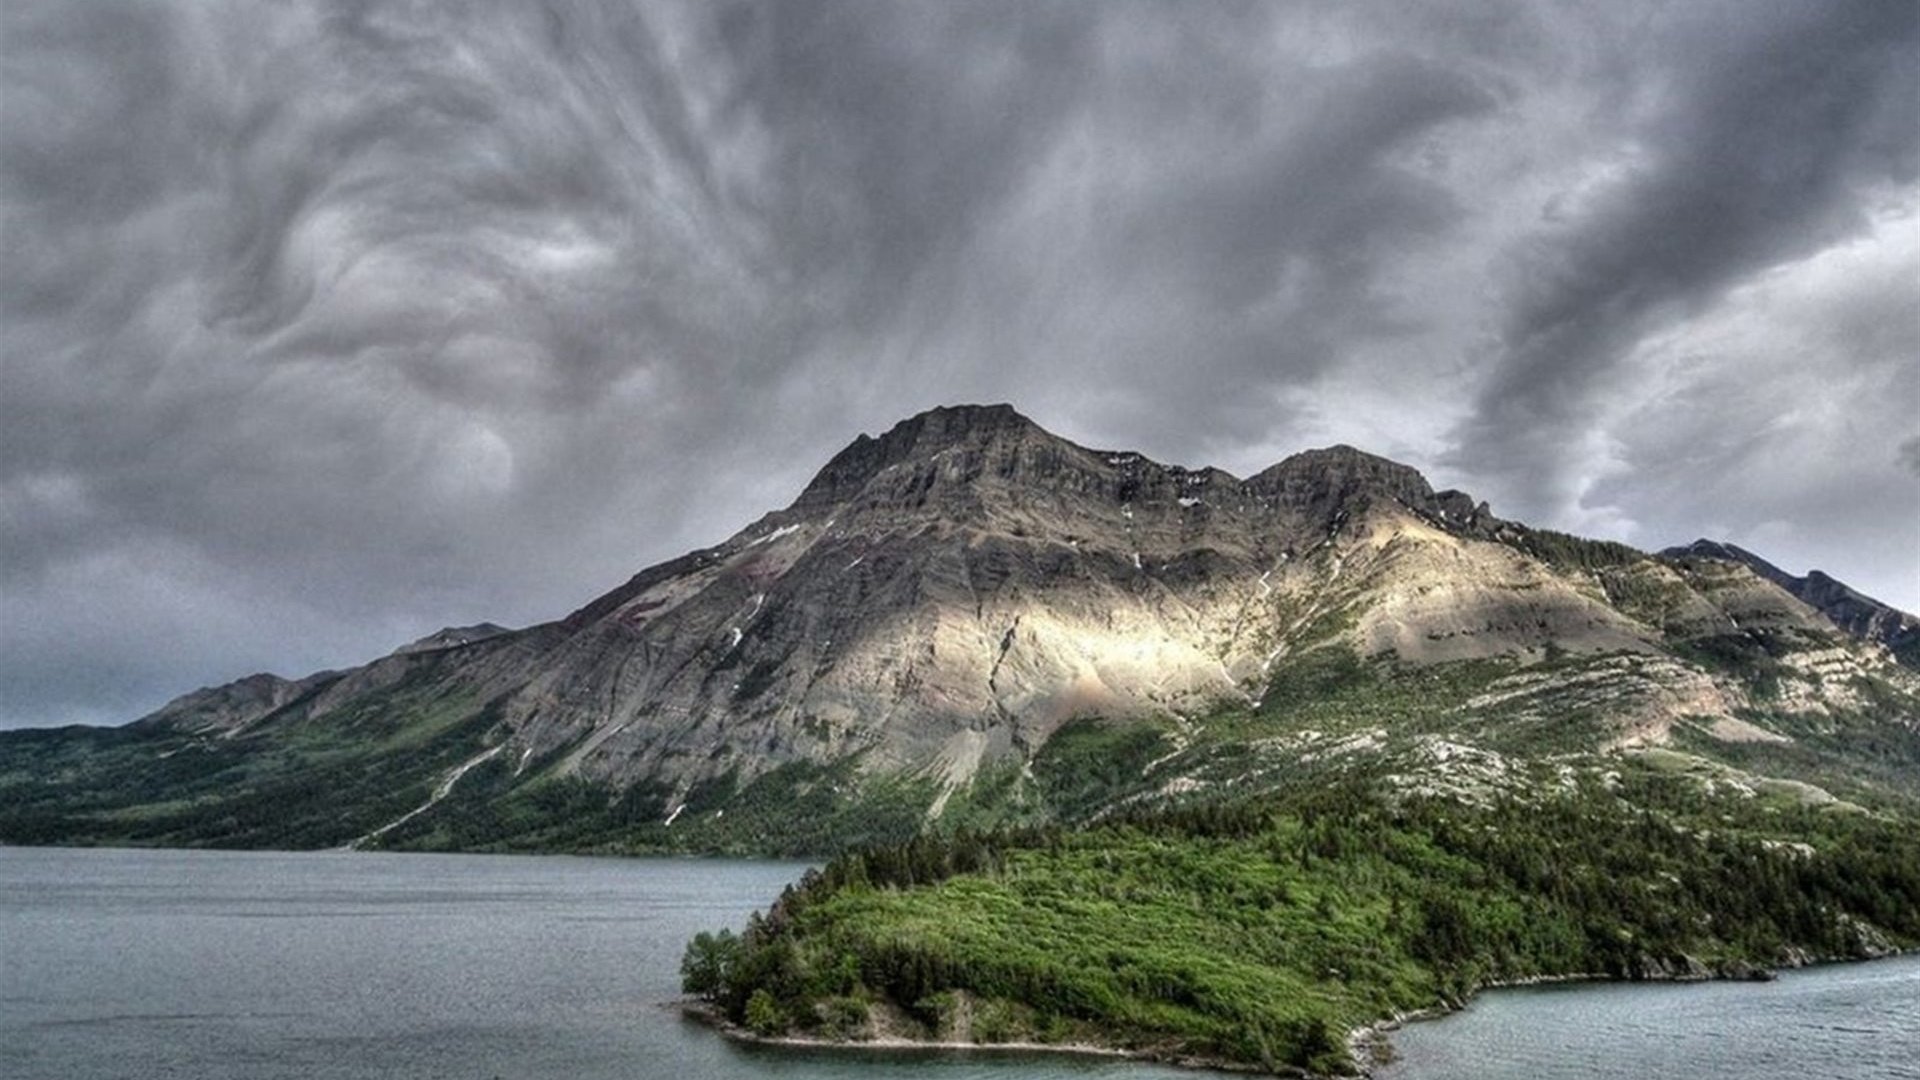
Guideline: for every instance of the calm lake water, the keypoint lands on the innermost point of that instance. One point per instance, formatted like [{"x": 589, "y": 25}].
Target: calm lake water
[
  {"x": 221, "y": 966},
  {"x": 1843, "y": 1021},
  {"x": 347, "y": 966}
]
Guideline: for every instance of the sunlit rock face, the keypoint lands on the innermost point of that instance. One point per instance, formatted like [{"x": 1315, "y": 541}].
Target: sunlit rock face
[
  {"x": 969, "y": 579},
  {"x": 950, "y": 593}
]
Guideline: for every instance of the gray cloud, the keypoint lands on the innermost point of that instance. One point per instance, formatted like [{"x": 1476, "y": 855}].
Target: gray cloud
[
  {"x": 1746, "y": 144},
  {"x": 324, "y": 324}
]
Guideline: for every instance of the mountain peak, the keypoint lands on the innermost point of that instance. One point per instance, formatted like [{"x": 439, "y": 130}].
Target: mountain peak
[
  {"x": 946, "y": 425},
  {"x": 1333, "y": 475},
  {"x": 452, "y": 637},
  {"x": 924, "y": 434},
  {"x": 954, "y": 594},
  {"x": 1704, "y": 548},
  {"x": 1852, "y": 611},
  {"x": 945, "y": 453}
]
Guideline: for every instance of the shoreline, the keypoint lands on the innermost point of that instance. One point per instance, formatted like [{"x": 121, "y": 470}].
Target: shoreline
[
  {"x": 1368, "y": 1045},
  {"x": 705, "y": 1014}
]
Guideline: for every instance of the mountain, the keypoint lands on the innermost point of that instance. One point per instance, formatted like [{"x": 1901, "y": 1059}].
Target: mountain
[
  {"x": 229, "y": 708},
  {"x": 1861, "y": 616},
  {"x": 969, "y": 620},
  {"x": 452, "y": 637}
]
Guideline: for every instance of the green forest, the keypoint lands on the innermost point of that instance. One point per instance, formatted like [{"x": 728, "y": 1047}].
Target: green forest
[{"x": 1259, "y": 933}]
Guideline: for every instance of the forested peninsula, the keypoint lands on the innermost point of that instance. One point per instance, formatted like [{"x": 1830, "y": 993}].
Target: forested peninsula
[{"x": 1263, "y": 935}]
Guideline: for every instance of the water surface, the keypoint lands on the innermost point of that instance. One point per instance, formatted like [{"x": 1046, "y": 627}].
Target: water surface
[
  {"x": 1840, "y": 1021},
  {"x": 339, "y": 966},
  {"x": 354, "y": 966}
]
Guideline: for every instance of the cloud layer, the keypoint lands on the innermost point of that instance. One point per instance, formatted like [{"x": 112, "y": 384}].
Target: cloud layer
[{"x": 327, "y": 324}]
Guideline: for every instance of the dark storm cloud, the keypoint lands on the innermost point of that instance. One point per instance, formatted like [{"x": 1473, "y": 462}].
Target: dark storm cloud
[
  {"x": 1017, "y": 200},
  {"x": 320, "y": 308},
  {"x": 324, "y": 324},
  {"x": 1756, "y": 136}
]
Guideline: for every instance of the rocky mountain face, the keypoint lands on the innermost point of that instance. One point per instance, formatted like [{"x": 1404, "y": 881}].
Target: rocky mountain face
[
  {"x": 950, "y": 608},
  {"x": 1857, "y": 614}
]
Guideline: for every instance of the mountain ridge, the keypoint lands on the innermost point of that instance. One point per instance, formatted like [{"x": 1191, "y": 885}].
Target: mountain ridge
[
  {"x": 1852, "y": 611},
  {"x": 948, "y": 605}
]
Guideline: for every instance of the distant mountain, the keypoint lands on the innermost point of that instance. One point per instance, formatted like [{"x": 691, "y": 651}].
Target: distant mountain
[
  {"x": 452, "y": 637},
  {"x": 224, "y": 708},
  {"x": 970, "y": 620},
  {"x": 1861, "y": 616}
]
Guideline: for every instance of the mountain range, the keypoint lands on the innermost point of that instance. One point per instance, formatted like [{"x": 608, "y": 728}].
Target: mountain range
[{"x": 970, "y": 621}]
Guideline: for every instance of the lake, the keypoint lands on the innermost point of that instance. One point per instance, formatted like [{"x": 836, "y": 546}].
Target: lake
[
  {"x": 116, "y": 965},
  {"x": 1841, "y": 1021},
  {"x": 350, "y": 966}
]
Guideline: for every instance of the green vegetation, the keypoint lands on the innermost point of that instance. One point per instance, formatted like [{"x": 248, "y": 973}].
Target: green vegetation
[
  {"x": 1259, "y": 932},
  {"x": 288, "y": 783},
  {"x": 797, "y": 809},
  {"x": 1647, "y": 590},
  {"x": 1566, "y": 552},
  {"x": 1754, "y": 659},
  {"x": 1086, "y": 765}
]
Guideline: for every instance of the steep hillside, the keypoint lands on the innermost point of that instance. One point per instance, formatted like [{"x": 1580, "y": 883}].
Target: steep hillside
[{"x": 970, "y": 620}]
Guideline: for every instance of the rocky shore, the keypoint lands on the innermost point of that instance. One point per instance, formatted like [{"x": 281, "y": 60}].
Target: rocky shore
[{"x": 894, "y": 1040}]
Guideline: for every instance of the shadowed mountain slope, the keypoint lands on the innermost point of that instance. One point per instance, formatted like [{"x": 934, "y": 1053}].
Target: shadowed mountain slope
[{"x": 1857, "y": 614}]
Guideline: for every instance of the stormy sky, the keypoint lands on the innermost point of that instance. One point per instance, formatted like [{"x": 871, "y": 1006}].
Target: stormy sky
[{"x": 324, "y": 325}]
